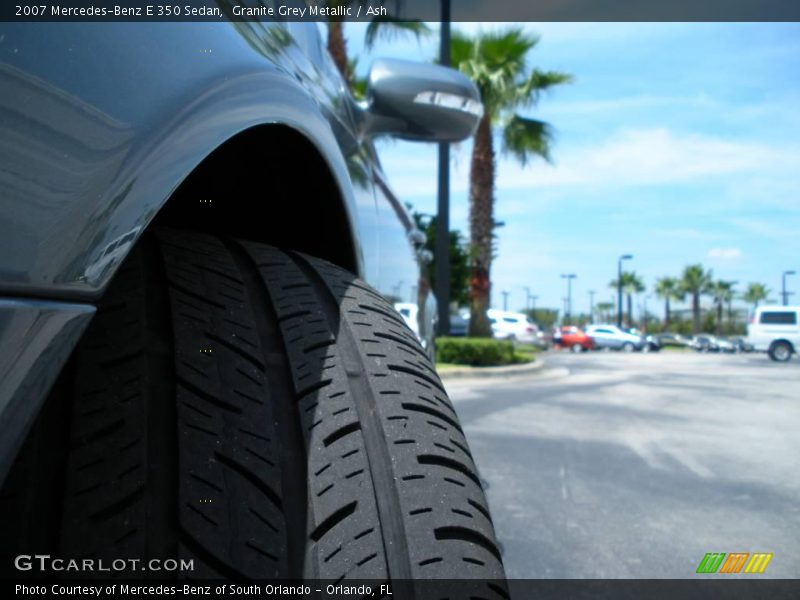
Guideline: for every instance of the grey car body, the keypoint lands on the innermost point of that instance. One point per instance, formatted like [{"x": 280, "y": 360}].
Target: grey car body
[{"x": 240, "y": 128}]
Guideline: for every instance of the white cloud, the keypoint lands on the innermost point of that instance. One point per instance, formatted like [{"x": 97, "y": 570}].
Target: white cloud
[
  {"x": 724, "y": 253},
  {"x": 656, "y": 156},
  {"x": 773, "y": 230},
  {"x": 625, "y": 103},
  {"x": 628, "y": 157}
]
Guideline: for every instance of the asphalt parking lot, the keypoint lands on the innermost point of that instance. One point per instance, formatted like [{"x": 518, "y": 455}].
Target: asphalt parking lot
[{"x": 608, "y": 465}]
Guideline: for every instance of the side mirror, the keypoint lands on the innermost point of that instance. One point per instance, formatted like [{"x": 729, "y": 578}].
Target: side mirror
[{"x": 418, "y": 101}]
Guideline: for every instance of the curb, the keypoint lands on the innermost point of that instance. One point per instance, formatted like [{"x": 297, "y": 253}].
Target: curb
[{"x": 487, "y": 372}]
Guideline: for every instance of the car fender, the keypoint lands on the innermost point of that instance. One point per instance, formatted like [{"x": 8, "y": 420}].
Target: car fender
[{"x": 80, "y": 177}]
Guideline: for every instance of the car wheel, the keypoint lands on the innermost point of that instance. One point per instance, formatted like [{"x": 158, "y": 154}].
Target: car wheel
[
  {"x": 266, "y": 415},
  {"x": 780, "y": 351},
  {"x": 577, "y": 348},
  {"x": 628, "y": 347}
]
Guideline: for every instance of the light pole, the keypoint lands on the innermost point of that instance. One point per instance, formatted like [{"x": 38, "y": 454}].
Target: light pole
[
  {"x": 644, "y": 317},
  {"x": 505, "y": 300},
  {"x": 619, "y": 286},
  {"x": 784, "y": 293},
  {"x": 533, "y": 303},
  {"x": 591, "y": 306},
  {"x": 568, "y": 310},
  {"x": 527, "y": 298},
  {"x": 442, "y": 254}
]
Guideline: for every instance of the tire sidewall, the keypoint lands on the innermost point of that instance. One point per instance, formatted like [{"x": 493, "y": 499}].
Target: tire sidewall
[{"x": 780, "y": 352}]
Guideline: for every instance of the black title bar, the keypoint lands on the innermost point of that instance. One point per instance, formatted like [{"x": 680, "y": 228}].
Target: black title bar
[{"x": 422, "y": 10}]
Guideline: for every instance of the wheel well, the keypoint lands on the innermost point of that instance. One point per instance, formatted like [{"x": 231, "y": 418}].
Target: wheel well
[{"x": 267, "y": 184}]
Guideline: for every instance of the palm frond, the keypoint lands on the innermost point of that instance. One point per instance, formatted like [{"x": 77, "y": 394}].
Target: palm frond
[
  {"x": 537, "y": 82},
  {"x": 507, "y": 47},
  {"x": 696, "y": 279},
  {"x": 461, "y": 47},
  {"x": 669, "y": 288},
  {"x": 525, "y": 138},
  {"x": 631, "y": 283},
  {"x": 497, "y": 63}
]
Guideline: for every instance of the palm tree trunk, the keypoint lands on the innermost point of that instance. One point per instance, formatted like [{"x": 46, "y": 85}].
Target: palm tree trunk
[
  {"x": 719, "y": 317},
  {"x": 337, "y": 47},
  {"x": 666, "y": 313},
  {"x": 695, "y": 312},
  {"x": 481, "y": 224}
]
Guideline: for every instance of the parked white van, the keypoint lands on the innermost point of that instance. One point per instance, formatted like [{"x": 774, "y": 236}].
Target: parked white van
[{"x": 775, "y": 330}]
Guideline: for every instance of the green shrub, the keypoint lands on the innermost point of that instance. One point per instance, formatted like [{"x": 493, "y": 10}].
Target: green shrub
[
  {"x": 477, "y": 352},
  {"x": 524, "y": 353}
]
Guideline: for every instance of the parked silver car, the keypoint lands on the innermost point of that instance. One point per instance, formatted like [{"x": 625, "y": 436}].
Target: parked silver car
[{"x": 612, "y": 337}]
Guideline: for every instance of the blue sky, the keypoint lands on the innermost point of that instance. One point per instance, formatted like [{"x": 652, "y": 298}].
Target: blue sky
[{"x": 677, "y": 143}]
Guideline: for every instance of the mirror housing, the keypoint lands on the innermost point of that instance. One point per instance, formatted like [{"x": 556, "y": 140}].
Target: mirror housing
[{"x": 419, "y": 101}]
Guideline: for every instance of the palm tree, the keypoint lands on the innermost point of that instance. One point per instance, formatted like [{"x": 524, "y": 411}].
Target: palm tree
[
  {"x": 631, "y": 284},
  {"x": 337, "y": 48},
  {"x": 696, "y": 281},
  {"x": 669, "y": 288},
  {"x": 497, "y": 63},
  {"x": 722, "y": 292},
  {"x": 755, "y": 293}
]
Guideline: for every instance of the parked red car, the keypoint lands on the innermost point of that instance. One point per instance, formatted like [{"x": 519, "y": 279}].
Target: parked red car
[{"x": 573, "y": 338}]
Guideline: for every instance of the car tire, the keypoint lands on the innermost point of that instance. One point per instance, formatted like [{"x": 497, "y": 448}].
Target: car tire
[
  {"x": 576, "y": 348},
  {"x": 780, "y": 351},
  {"x": 628, "y": 347},
  {"x": 267, "y": 415}
]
